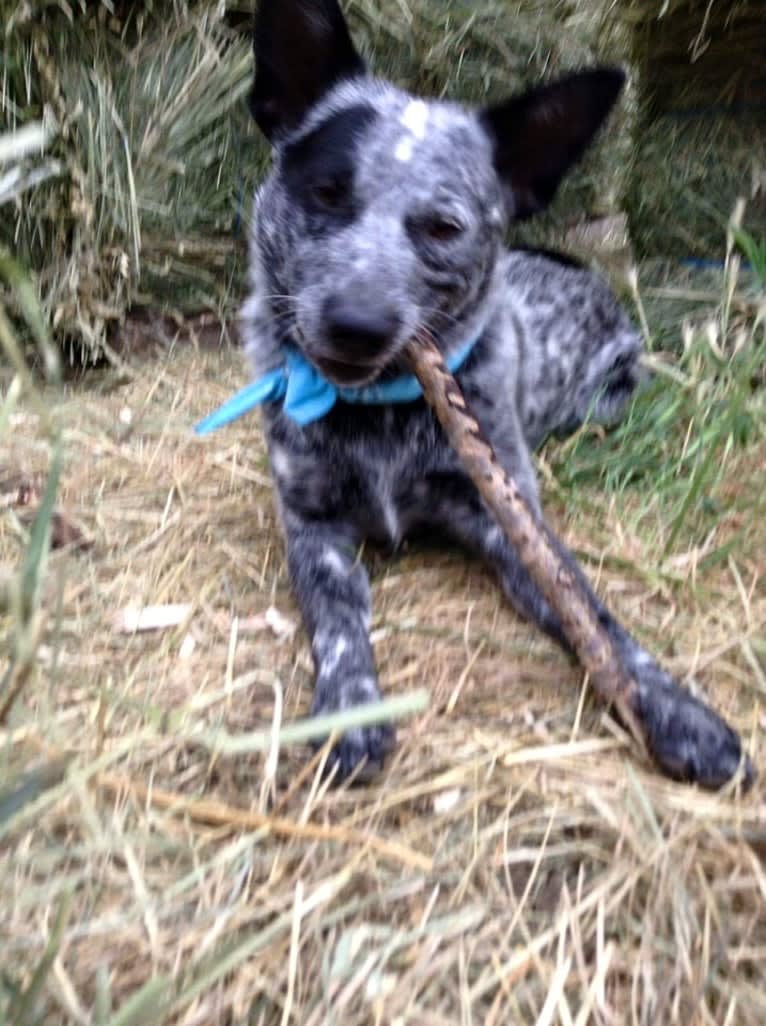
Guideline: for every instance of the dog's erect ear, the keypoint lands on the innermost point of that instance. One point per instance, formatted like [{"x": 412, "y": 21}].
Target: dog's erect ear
[
  {"x": 539, "y": 135},
  {"x": 302, "y": 48}
]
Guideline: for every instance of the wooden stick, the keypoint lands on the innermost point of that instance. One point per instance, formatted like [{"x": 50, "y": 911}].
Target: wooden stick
[{"x": 684, "y": 735}]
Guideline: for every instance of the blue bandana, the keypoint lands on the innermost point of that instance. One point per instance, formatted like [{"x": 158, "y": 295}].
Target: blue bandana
[{"x": 308, "y": 396}]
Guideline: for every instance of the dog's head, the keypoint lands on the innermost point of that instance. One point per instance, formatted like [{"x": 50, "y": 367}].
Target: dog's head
[{"x": 384, "y": 211}]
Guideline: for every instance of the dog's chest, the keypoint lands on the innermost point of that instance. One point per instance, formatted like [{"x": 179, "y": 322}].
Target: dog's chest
[{"x": 369, "y": 469}]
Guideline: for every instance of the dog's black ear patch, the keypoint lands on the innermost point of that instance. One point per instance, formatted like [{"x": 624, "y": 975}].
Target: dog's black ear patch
[
  {"x": 302, "y": 48},
  {"x": 539, "y": 135}
]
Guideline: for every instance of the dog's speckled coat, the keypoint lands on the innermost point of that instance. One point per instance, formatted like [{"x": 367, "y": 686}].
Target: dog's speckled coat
[{"x": 384, "y": 212}]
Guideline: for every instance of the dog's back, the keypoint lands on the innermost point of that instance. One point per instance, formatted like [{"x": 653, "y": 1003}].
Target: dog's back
[{"x": 578, "y": 352}]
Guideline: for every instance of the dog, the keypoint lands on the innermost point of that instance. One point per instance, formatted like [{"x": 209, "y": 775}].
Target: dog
[{"x": 384, "y": 212}]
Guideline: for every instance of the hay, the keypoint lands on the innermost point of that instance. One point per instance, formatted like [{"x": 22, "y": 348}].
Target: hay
[
  {"x": 142, "y": 196},
  {"x": 513, "y": 863},
  {"x": 151, "y": 155},
  {"x": 695, "y": 52},
  {"x": 149, "y": 177},
  {"x": 688, "y": 171},
  {"x": 700, "y": 132}
]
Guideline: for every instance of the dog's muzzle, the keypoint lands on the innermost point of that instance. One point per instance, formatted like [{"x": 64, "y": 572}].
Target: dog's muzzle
[{"x": 358, "y": 338}]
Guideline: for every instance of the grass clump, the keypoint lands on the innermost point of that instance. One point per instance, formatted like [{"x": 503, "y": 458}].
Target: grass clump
[
  {"x": 149, "y": 166},
  {"x": 154, "y": 158},
  {"x": 704, "y": 407},
  {"x": 699, "y": 136},
  {"x": 687, "y": 171}
]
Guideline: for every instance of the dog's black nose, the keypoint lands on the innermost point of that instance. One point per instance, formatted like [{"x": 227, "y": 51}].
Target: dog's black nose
[{"x": 358, "y": 330}]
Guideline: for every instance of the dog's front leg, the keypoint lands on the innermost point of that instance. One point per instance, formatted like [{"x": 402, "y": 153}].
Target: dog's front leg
[
  {"x": 333, "y": 593},
  {"x": 686, "y": 737}
]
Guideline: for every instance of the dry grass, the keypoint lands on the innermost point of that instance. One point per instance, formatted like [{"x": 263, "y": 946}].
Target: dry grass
[
  {"x": 152, "y": 154},
  {"x": 687, "y": 172},
  {"x": 149, "y": 158},
  {"x": 167, "y": 853},
  {"x": 514, "y": 863},
  {"x": 695, "y": 51},
  {"x": 699, "y": 136}
]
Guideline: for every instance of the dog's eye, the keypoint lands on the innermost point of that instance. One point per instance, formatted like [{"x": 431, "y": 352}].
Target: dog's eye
[
  {"x": 330, "y": 193},
  {"x": 442, "y": 229}
]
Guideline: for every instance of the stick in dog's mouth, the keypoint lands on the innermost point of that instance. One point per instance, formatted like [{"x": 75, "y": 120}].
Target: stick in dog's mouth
[{"x": 686, "y": 738}]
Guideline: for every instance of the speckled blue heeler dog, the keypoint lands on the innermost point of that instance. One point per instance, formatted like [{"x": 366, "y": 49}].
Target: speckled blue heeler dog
[{"x": 384, "y": 212}]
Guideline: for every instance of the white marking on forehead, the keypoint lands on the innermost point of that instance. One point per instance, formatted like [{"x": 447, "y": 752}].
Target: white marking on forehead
[
  {"x": 415, "y": 118},
  {"x": 403, "y": 149}
]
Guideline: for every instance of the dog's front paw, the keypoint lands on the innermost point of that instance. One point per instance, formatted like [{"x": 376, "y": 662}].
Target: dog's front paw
[
  {"x": 361, "y": 749},
  {"x": 688, "y": 739}
]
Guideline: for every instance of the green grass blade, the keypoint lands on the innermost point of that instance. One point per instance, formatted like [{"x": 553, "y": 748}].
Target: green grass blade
[
  {"x": 22, "y": 1008},
  {"x": 315, "y": 728},
  {"x": 39, "y": 540},
  {"x": 9, "y": 404},
  {"x": 29, "y": 305},
  {"x": 146, "y": 1006},
  {"x": 699, "y": 477}
]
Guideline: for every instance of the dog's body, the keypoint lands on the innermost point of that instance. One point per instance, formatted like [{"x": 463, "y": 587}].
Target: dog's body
[{"x": 384, "y": 212}]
